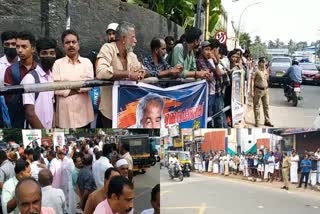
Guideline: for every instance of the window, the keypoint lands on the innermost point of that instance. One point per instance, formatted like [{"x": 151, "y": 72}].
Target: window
[
  {"x": 264, "y": 130},
  {"x": 249, "y": 131}
]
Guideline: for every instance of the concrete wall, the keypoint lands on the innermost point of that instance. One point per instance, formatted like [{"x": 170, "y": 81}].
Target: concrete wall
[
  {"x": 89, "y": 17},
  {"x": 214, "y": 140}
]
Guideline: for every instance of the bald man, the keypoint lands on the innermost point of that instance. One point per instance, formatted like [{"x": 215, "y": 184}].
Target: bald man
[
  {"x": 28, "y": 195},
  {"x": 51, "y": 197}
]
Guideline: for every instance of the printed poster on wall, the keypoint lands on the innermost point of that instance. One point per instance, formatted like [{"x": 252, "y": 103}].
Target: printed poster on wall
[
  {"x": 146, "y": 106},
  {"x": 58, "y": 139},
  {"x": 31, "y": 137},
  {"x": 237, "y": 97}
]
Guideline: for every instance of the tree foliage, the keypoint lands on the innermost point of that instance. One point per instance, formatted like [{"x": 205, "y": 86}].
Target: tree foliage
[
  {"x": 182, "y": 11},
  {"x": 12, "y": 135},
  {"x": 245, "y": 40}
]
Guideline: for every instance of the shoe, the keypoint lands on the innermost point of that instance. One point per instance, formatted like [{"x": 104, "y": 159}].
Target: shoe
[
  {"x": 268, "y": 124},
  {"x": 256, "y": 125},
  {"x": 298, "y": 186},
  {"x": 287, "y": 188},
  {"x": 284, "y": 187}
]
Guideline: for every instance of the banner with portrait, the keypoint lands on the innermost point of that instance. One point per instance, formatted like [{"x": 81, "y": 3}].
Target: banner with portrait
[
  {"x": 58, "y": 140},
  {"x": 237, "y": 95},
  {"x": 31, "y": 137},
  {"x": 147, "y": 106}
]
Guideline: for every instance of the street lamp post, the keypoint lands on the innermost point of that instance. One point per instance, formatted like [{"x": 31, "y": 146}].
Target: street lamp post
[{"x": 239, "y": 24}]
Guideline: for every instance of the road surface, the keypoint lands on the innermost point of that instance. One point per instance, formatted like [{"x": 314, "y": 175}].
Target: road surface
[
  {"x": 206, "y": 195},
  {"x": 143, "y": 184},
  {"x": 284, "y": 115}
]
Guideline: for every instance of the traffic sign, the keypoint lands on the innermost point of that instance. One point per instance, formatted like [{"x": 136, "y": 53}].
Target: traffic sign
[{"x": 221, "y": 36}]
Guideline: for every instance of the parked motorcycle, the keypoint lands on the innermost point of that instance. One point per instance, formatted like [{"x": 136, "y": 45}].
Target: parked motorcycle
[
  {"x": 293, "y": 93},
  {"x": 186, "y": 169},
  {"x": 175, "y": 172}
]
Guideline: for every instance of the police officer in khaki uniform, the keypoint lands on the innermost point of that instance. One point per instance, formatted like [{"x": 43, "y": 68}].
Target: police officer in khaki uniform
[
  {"x": 259, "y": 91},
  {"x": 285, "y": 171}
]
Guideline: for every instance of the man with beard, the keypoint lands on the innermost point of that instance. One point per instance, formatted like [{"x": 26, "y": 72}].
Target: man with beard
[
  {"x": 39, "y": 106},
  {"x": 116, "y": 61},
  {"x": 124, "y": 151},
  {"x": 183, "y": 53},
  {"x": 111, "y": 32},
  {"x": 73, "y": 67},
  {"x": 9, "y": 41},
  {"x": 156, "y": 64}
]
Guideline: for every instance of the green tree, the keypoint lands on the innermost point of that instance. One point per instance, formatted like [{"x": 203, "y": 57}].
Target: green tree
[
  {"x": 182, "y": 11},
  {"x": 258, "y": 49},
  {"x": 245, "y": 40},
  {"x": 301, "y": 45},
  {"x": 291, "y": 46},
  {"x": 12, "y": 135},
  {"x": 271, "y": 44}
]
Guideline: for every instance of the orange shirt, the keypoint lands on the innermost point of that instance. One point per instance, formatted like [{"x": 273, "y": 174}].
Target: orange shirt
[
  {"x": 73, "y": 111},
  {"x": 94, "y": 199}
]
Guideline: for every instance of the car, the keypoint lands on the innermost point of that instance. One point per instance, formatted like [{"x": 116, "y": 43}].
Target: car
[
  {"x": 279, "y": 66},
  {"x": 309, "y": 72}
]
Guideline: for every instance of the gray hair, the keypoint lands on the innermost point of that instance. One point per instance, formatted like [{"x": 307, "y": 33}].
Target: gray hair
[
  {"x": 123, "y": 29},
  {"x": 23, "y": 180},
  {"x": 143, "y": 104}
]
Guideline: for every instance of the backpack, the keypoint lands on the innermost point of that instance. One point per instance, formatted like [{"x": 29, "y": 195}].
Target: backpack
[{"x": 15, "y": 105}]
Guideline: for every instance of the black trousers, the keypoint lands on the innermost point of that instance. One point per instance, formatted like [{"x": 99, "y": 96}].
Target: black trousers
[
  {"x": 103, "y": 122},
  {"x": 304, "y": 175}
]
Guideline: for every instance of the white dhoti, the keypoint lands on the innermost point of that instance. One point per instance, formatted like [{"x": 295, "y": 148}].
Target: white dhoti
[
  {"x": 196, "y": 166},
  {"x": 215, "y": 168},
  {"x": 266, "y": 171},
  {"x": 271, "y": 169},
  {"x": 203, "y": 166},
  {"x": 313, "y": 177},
  {"x": 246, "y": 171},
  {"x": 210, "y": 167},
  {"x": 294, "y": 173},
  {"x": 277, "y": 166},
  {"x": 241, "y": 167},
  {"x": 260, "y": 168}
]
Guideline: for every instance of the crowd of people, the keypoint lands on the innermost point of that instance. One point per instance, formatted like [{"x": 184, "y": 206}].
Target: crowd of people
[
  {"x": 30, "y": 61},
  {"x": 265, "y": 165},
  {"x": 86, "y": 177}
]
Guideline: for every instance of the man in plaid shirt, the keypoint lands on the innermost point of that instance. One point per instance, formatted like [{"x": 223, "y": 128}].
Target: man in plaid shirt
[
  {"x": 209, "y": 60},
  {"x": 156, "y": 64}
]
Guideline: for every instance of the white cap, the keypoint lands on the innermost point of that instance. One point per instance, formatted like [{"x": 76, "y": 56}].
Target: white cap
[
  {"x": 121, "y": 162},
  {"x": 112, "y": 26}
]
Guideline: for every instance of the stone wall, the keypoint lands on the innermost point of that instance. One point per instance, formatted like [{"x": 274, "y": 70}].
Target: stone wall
[{"x": 88, "y": 17}]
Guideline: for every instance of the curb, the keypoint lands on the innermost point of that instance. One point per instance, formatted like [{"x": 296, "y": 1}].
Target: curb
[{"x": 292, "y": 187}]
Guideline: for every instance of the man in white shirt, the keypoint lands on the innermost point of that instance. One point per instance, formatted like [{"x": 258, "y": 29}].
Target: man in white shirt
[
  {"x": 8, "y": 200},
  {"x": 124, "y": 150},
  {"x": 100, "y": 166},
  {"x": 39, "y": 109},
  {"x": 155, "y": 201},
  {"x": 9, "y": 39},
  {"x": 51, "y": 197},
  {"x": 35, "y": 165}
]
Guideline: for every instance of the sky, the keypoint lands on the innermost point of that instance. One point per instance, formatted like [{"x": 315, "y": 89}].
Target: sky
[{"x": 271, "y": 19}]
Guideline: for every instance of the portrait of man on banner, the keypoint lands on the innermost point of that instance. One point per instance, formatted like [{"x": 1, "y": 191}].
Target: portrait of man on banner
[
  {"x": 150, "y": 111},
  {"x": 58, "y": 139}
]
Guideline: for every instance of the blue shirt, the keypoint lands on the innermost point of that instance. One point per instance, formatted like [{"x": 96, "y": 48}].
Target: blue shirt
[
  {"x": 266, "y": 157},
  {"x": 154, "y": 70},
  {"x": 306, "y": 168},
  {"x": 295, "y": 73}
]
